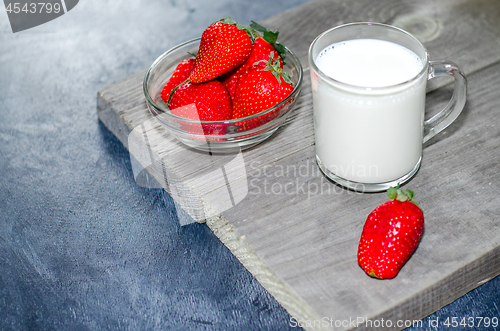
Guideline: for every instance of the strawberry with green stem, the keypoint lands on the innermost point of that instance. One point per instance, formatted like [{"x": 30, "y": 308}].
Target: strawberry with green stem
[
  {"x": 271, "y": 37},
  {"x": 390, "y": 235},
  {"x": 261, "y": 88},
  {"x": 262, "y": 49}
]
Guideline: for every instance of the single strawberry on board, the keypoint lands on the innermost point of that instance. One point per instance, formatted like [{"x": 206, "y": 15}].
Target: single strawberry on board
[
  {"x": 180, "y": 74},
  {"x": 224, "y": 46},
  {"x": 390, "y": 235},
  {"x": 261, "y": 88}
]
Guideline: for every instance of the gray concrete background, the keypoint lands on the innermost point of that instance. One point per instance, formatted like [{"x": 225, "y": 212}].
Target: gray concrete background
[{"x": 82, "y": 247}]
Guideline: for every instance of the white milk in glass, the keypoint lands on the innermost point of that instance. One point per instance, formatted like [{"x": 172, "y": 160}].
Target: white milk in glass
[{"x": 368, "y": 126}]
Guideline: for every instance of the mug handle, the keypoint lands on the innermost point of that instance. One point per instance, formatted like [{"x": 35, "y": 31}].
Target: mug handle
[{"x": 445, "y": 117}]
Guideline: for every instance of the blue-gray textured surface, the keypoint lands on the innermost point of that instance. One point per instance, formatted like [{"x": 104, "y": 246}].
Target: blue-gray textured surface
[{"x": 82, "y": 247}]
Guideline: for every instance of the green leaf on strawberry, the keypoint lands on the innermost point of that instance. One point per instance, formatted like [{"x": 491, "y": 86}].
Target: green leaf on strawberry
[
  {"x": 398, "y": 194},
  {"x": 271, "y": 37},
  {"x": 268, "y": 35}
]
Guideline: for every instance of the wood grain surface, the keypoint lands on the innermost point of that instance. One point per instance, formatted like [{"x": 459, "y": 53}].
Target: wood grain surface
[{"x": 294, "y": 230}]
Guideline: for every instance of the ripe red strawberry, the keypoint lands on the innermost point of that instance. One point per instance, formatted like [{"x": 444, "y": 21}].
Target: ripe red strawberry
[
  {"x": 390, "y": 235},
  {"x": 260, "y": 55},
  {"x": 181, "y": 73},
  {"x": 262, "y": 51},
  {"x": 224, "y": 46},
  {"x": 270, "y": 36},
  {"x": 208, "y": 101},
  {"x": 260, "y": 88}
]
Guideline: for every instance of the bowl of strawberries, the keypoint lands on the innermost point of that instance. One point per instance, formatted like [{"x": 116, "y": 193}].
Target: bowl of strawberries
[{"x": 230, "y": 89}]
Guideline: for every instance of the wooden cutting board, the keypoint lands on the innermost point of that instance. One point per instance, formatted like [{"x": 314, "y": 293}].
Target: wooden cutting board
[{"x": 297, "y": 232}]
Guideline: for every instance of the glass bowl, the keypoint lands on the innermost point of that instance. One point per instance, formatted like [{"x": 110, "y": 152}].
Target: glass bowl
[{"x": 212, "y": 136}]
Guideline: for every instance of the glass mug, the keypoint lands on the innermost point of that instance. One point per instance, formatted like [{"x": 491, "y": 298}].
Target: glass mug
[{"x": 369, "y": 136}]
